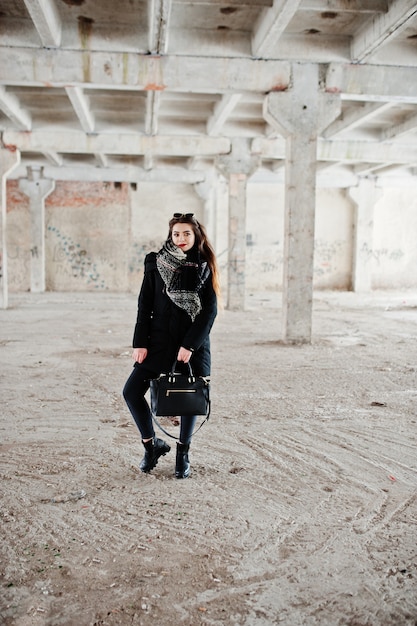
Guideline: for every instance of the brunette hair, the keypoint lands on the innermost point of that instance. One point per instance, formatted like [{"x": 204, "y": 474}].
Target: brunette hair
[{"x": 202, "y": 243}]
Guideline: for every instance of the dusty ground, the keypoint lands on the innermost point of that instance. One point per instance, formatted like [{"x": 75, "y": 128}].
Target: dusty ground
[{"x": 301, "y": 508}]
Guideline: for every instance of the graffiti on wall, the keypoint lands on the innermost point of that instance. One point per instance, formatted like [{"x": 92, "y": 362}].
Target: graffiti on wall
[
  {"x": 381, "y": 254},
  {"x": 328, "y": 256},
  {"x": 138, "y": 253},
  {"x": 75, "y": 260}
]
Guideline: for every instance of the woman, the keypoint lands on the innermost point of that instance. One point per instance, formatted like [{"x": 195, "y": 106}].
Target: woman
[{"x": 176, "y": 309}]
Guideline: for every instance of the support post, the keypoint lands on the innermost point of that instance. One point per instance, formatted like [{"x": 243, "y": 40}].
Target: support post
[
  {"x": 364, "y": 196},
  {"x": 9, "y": 159},
  {"x": 237, "y": 168},
  {"x": 37, "y": 189},
  {"x": 207, "y": 191},
  {"x": 300, "y": 115}
]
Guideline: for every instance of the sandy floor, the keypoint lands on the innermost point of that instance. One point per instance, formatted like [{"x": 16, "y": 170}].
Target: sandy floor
[{"x": 301, "y": 507}]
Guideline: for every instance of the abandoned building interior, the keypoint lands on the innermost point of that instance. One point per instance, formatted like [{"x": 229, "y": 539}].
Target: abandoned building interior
[{"x": 289, "y": 127}]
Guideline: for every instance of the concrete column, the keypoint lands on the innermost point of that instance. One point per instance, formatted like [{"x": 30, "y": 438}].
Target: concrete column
[
  {"x": 207, "y": 191},
  {"x": 300, "y": 115},
  {"x": 364, "y": 196},
  {"x": 237, "y": 168},
  {"x": 8, "y": 161},
  {"x": 37, "y": 189}
]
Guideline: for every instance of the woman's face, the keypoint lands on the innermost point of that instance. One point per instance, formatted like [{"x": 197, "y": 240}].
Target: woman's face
[{"x": 183, "y": 236}]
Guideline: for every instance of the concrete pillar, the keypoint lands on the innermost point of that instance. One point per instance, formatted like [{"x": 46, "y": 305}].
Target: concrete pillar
[
  {"x": 300, "y": 115},
  {"x": 37, "y": 189},
  {"x": 237, "y": 168},
  {"x": 9, "y": 159},
  {"x": 364, "y": 196},
  {"x": 207, "y": 191}
]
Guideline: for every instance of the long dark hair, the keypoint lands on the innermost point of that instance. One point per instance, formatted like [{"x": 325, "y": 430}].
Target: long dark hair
[{"x": 201, "y": 242}]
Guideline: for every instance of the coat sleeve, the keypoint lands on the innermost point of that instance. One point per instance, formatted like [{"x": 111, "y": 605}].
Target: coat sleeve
[
  {"x": 201, "y": 327},
  {"x": 145, "y": 305}
]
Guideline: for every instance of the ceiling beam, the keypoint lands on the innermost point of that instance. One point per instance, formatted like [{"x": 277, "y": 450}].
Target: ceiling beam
[
  {"x": 381, "y": 29},
  {"x": 409, "y": 125},
  {"x": 114, "y": 70},
  {"x": 373, "y": 82},
  {"x": 270, "y": 26},
  {"x": 343, "y": 151},
  {"x": 341, "y": 6},
  {"x": 238, "y": 3},
  {"x": 130, "y": 174},
  {"x": 153, "y": 102},
  {"x": 102, "y": 159},
  {"x": 54, "y": 158},
  {"x": 66, "y": 142},
  {"x": 355, "y": 118},
  {"x": 221, "y": 112},
  {"x": 365, "y": 169},
  {"x": 159, "y": 17},
  {"x": 47, "y": 21},
  {"x": 77, "y": 142},
  {"x": 10, "y": 106},
  {"x": 127, "y": 70},
  {"x": 81, "y": 105}
]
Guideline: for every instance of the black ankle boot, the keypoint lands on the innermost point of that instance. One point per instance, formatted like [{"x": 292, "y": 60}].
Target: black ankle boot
[
  {"x": 153, "y": 450},
  {"x": 182, "y": 464}
]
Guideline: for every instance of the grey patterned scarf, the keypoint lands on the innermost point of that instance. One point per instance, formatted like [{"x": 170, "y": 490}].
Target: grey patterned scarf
[{"x": 183, "y": 276}]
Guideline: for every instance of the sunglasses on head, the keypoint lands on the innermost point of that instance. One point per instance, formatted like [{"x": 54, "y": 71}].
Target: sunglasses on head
[{"x": 180, "y": 215}]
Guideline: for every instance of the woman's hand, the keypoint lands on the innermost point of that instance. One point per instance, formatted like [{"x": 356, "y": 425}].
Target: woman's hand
[
  {"x": 184, "y": 355},
  {"x": 139, "y": 354}
]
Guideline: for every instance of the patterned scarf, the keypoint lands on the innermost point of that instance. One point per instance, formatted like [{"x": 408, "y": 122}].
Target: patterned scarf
[{"x": 183, "y": 276}]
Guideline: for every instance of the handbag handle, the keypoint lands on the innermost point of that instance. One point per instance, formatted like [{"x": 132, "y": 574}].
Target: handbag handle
[{"x": 190, "y": 371}]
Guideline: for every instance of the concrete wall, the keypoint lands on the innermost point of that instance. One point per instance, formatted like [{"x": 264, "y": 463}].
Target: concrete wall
[
  {"x": 18, "y": 238},
  {"x": 394, "y": 254},
  {"x": 98, "y": 234},
  {"x": 152, "y": 206}
]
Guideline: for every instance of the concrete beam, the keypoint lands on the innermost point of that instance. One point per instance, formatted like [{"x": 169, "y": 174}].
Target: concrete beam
[
  {"x": 271, "y": 25},
  {"x": 346, "y": 151},
  {"x": 159, "y": 12},
  {"x": 237, "y": 3},
  {"x": 221, "y": 112},
  {"x": 10, "y": 106},
  {"x": 118, "y": 143},
  {"x": 410, "y": 124},
  {"x": 341, "y": 6},
  {"x": 81, "y": 105},
  {"x": 114, "y": 70},
  {"x": 101, "y": 159},
  {"x": 357, "y": 117},
  {"x": 129, "y": 174},
  {"x": 153, "y": 102},
  {"x": 127, "y": 70},
  {"x": 382, "y": 29},
  {"x": 342, "y": 151},
  {"x": 371, "y": 82},
  {"x": 54, "y": 158},
  {"x": 47, "y": 21}
]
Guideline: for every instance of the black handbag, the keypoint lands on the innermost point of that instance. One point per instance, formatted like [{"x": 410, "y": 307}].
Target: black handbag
[{"x": 177, "y": 393}]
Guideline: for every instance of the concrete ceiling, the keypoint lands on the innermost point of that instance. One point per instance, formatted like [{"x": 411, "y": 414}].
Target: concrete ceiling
[{"x": 157, "y": 89}]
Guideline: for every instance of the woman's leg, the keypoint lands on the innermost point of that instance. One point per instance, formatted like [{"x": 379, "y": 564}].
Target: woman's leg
[
  {"x": 187, "y": 428},
  {"x": 133, "y": 392},
  {"x": 182, "y": 462}
]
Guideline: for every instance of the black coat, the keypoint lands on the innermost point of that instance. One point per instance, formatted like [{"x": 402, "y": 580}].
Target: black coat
[{"x": 162, "y": 327}]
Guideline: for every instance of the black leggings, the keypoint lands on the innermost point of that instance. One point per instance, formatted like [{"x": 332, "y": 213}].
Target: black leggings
[{"x": 134, "y": 394}]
